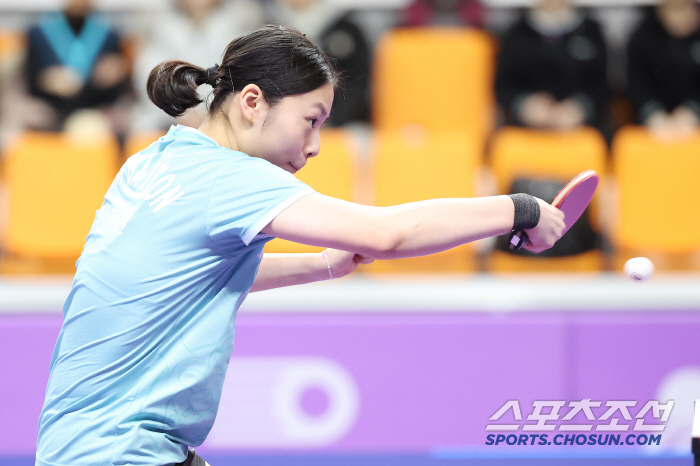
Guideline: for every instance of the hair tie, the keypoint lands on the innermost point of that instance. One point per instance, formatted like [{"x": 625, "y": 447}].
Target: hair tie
[{"x": 211, "y": 78}]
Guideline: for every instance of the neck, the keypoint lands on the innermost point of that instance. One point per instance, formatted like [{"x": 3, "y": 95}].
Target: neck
[
  {"x": 554, "y": 23},
  {"x": 198, "y": 17},
  {"x": 219, "y": 129},
  {"x": 76, "y": 21}
]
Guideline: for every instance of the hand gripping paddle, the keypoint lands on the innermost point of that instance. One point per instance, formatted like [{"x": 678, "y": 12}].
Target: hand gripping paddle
[{"x": 572, "y": 200}]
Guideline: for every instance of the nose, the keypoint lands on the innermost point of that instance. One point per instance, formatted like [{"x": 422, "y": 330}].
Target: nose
[{"x": 313, "y": 145}]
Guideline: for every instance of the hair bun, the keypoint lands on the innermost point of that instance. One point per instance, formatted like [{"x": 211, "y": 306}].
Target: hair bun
[{"x": 279, "y": 60}]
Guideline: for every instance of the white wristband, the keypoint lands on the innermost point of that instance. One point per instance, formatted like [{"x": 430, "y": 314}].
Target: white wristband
[{"x": 330, "y": 267}]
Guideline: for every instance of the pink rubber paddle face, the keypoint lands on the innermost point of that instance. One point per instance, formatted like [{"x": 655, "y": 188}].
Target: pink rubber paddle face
[
  {"x": 572, "y": 200},
  {"x": 575, "y": 196}
]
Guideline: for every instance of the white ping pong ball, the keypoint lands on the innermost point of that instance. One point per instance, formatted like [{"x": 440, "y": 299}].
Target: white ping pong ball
[{"x": 639, "y": 269}]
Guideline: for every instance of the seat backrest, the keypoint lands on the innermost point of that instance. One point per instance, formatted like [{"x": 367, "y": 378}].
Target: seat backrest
[
  {"x": 658, "y": 194},
  {"x": 139, "y": 141},
  {"x": 439, "y": 78},
  {"x": 409, "y": 167},
  {"x": 12, "y": 44},
  {"x": 559, "y": 156},
  {"x": 333, "y": 171},
  {"x": 417, "y": 165},
  {"x": 55, "y": 185}
]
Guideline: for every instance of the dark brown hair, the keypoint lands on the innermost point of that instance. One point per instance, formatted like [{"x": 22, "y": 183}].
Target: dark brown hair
[{"x": 279, "y": 60}]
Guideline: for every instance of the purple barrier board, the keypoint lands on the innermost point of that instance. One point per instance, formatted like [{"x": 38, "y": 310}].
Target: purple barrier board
[{"x": 362, "y": 382}]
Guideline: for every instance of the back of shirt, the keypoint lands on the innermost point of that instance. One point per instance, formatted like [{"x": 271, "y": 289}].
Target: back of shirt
[{"x": 138, "y": 367}]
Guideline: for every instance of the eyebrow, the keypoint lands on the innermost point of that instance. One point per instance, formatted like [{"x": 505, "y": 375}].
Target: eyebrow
[{"x": 322, "y": 107}]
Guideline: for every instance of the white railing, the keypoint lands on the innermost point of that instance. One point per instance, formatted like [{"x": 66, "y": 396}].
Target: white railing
[{"x": 559, "y": 292}]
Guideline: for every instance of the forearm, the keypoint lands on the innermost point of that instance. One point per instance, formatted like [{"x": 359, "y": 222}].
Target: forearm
[
  {"x": 427, "y": 227},
  {"x": 278, "y": 270}
]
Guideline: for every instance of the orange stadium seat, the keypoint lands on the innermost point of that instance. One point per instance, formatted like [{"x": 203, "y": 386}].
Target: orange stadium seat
[
  {"x": 55, "y": 185},
  {"x": 139, "y": 141},
  {"x": 657, "y": 208},
  {"x": 332, "y": 172},
  {"x": 418, "y": 165},
  {"x": 559, "y": 156},
  {"x": 517, "y": 152},
  {"x": 440, "y": 78},
  {"x": 12, "y": 45}
]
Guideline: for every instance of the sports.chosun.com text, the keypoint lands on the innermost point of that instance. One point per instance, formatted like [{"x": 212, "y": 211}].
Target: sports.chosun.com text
[{"x": 573, "y": 439}]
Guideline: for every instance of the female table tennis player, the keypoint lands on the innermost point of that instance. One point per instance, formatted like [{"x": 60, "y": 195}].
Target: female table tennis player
[{"x": 137, "y": 371}]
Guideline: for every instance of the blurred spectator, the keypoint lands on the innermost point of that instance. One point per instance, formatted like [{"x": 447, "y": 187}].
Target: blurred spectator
[
  {"x": 443, "y": 13},
  {"x": 74, "y": 63},
  {"x": 195, "y": 31},
  {"x": 664, "y": 68},
  {"x": 551, "y": 75},
  {"x": 551, "y": 71},
  {"x": 335, "y": 32},
  {"x": 12, "y": 54}
]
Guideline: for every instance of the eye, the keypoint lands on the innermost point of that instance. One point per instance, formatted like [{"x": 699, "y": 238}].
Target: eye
[{"x": 313, "y": 122}]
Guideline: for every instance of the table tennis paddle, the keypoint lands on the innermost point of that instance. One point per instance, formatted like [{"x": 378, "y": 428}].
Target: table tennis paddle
[{"x": 572, "y": 200}]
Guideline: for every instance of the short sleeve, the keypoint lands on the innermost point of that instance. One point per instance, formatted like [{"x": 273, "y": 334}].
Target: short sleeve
[{"x": 247, "y": 195}]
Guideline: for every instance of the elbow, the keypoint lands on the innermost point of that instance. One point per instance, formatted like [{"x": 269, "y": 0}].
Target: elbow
[{"x": 386, "y": 242}]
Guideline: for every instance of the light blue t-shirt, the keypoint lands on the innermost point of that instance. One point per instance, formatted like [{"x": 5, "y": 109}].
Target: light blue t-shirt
[{"x": 137, "y": 371}]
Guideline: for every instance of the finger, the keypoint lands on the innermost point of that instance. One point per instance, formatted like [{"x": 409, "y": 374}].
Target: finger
[
  {"x": 531, "y": 248},
  {"x": 555, "y": 210}
]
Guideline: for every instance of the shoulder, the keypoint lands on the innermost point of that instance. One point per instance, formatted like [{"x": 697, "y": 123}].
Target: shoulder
[
  {"x": 167, "y": 23},
  {"x": 591, "y": 25},
  {"x": 251, "y": 170},
  {"x": 521, "y": 26},
  {"x": 649, "y": 30},
  {"x": 589, "y": 28},
  {"x": 35, "y": 36},
  {"x": 44, "y": 21},
  {"x": 519, "y": 33},
  {"x": 193, "y": 146}
]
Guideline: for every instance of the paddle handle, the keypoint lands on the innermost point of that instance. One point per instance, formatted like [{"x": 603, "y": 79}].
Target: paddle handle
[{"x": 517, "y": 239}]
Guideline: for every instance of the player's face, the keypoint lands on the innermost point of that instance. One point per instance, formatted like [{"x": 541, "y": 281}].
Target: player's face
[{"x": 290, "y": 133}]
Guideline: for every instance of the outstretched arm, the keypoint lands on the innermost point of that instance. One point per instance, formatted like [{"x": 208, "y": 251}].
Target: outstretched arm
[
  {"x": 407, "y": 230},
  {"x": 278, "y": 270}
]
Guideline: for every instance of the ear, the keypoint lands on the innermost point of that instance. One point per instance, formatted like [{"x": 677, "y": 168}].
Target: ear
[{"x": 252, "y": 102}]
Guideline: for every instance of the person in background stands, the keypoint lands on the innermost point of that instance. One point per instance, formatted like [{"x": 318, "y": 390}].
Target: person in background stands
[
  {"x": 75, "y": 63},
  {"x": 338, "y": 34},
  {"x": 551, "y": 71},
  {"x": 192, "y": 30},
  {"x": 469, "y": 13},
  {"x": 664, "y": 68}
]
